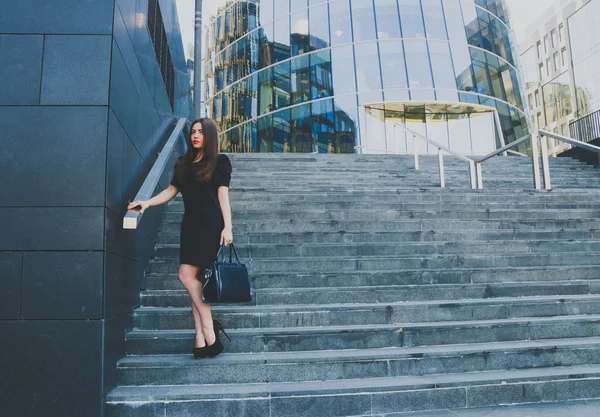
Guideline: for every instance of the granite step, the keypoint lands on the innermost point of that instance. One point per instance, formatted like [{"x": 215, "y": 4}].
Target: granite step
[
  {"x": 329, "y": 264},
  {"x": 382, "y": 294},
  {"x": 236, "y": 368},
  {"x": 351, "y": 397},
  {"x": 350, "y": 314},
  {"x": 416, "y": 277},
  {"x": 393, "y": 249},
  {"x": 293, "y": 339}
]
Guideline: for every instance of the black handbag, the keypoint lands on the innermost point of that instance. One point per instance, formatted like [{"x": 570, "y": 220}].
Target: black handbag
[{"x": 226, "y": 282}]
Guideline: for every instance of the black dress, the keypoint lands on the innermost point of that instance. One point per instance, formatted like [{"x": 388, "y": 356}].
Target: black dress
[{"x": 203, "y": 220}]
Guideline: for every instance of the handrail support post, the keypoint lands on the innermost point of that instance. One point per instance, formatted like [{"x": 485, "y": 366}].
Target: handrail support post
[
  {"x": 472, "y": 175},
  {"x": 442, "y": 173},
  {"x": 545, "y": 162},
  {"x": 416, "y": 153},
  {"x": 535, "y": 161}
]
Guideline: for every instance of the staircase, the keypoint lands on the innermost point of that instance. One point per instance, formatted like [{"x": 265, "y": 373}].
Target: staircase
[{"x": 377, "y": 292}]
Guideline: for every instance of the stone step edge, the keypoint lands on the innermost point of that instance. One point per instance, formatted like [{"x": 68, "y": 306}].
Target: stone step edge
[
  {"x": 490, "y": 242},
  {"x": 420, "y": 270},
  {"x": 366, "y": 386},
  {"x": 345, "y": 355},
  {"x": 277, "y": 290},
  {"x": 400, "y": 257},
  {"x": 396, "y": 327},
  {"x": 544, "y": 299}
]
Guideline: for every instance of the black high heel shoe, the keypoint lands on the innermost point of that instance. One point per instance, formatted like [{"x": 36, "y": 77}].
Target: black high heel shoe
[
  {"x": 200, "y": 352},
  {"x": 217, "y": 347}
]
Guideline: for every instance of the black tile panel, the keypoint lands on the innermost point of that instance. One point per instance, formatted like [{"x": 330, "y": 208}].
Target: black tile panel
[
  {"x": 10, "y": 284},
  {"x": 62, "y": 285},
  {"x": 52, "y": 228},
  {"x": 56, "y": 156},
  {"x": 54, "y": 368}
]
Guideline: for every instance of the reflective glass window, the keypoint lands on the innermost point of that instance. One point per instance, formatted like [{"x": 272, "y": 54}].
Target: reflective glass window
[
  {"x": 297, "y": 5},
  {"x": 454, "y": 21},
  {"x": 323, "y": 127},
  {"x": 265, "y": 134},
  {"x": 462, "y": 67},
  {"x": 265, "y": 91},
  {"x": 441, "y": 63},
  {"x": 509, "y": 79},
  {"x": 300, "y": 42},
  {"x": 411, "y": 19},
  {"x": 319, "y": 26},
  {"x": 281, "y": 48},
  {"x": 282, "y": 8},
  {"x": 392, "y": 64},
  {"x": 367, "y": 66},
  {"x": 435, "y": 25},
  {"x": 281, "y": 85},
  {"x": 346, "y": 123},
  {"x": 342, "y": 61},
  {"x": 363, "y": 20},
  {"x": 519, "y": 123},
  {"x": 341, "y": 26},
  {"x": 265, "y": 46},
  {"x": 482, "y": 84},
  {"x": 496, "y": 77},
  {"x": 417, "y": 62},
  {"x": 483, "y": 133},
  {"x": 251, "y": 11},
  {"x": 397, "y": 95},
  {"x": 388, "y": 21},
  {"x": 487, "y": 40},
  {"x": 266, "y": 14},
  {"x": 300, "y": 129},
  {"x": 370, "y": 97},
  {"x": 321, "y": 82},
  {"x": 281, "y": 131},
  {"x": 300, "y": 79},
  {"x": 315, "y": 2},
  {"x": 557, "y": 98},
  {"x": 506, "y": 122},
  {"x": 471, "y": 23}
]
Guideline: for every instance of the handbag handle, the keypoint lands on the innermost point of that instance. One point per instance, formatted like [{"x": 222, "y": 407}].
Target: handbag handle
[{"x": 222, "y": 253}]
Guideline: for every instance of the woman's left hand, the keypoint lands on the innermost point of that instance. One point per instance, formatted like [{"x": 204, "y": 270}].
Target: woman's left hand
[{"x": 226, "y": 237}]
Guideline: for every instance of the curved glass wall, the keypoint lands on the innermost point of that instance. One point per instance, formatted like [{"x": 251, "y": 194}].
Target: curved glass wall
[{"x": 311, "y": 75}]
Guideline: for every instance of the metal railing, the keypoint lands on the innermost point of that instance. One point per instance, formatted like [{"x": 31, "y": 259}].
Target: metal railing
[
  {"x": 570, "y": 141},
  {"x": 504, "y": 149},
  {"x": 475, "y": 165},
  {"x": 133, "y": 217},
  {"x": 441, "y": 149}
]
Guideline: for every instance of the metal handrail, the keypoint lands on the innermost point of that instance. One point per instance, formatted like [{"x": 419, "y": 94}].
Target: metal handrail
[
  {"x": 534, "y": 160},
  {"x": 441, "y": 149},
  {"x": 133, "y": 217},
  {"x": 570, "y": 141}
]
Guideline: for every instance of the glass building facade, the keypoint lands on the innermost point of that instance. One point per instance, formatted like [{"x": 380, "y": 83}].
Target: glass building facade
[{"x": 341, "y": 76}]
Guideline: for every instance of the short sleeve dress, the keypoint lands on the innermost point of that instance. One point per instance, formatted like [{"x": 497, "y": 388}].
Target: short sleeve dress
[{"x": 203, "y": 220}]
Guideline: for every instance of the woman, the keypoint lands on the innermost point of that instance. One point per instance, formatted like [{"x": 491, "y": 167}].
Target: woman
[{"x": 202, "y": 175}]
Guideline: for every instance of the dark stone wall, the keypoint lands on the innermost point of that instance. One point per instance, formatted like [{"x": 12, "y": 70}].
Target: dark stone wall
[{"x": 83, "y": 114}]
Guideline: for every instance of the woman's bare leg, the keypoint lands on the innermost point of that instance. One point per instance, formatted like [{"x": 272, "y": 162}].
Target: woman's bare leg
[
  {"x": 205, "y": 333},
  {"x": 200, "y": 341}
]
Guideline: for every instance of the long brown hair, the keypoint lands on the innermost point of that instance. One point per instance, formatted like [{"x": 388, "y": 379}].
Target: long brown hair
[{"x": 209, "y": 150}]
